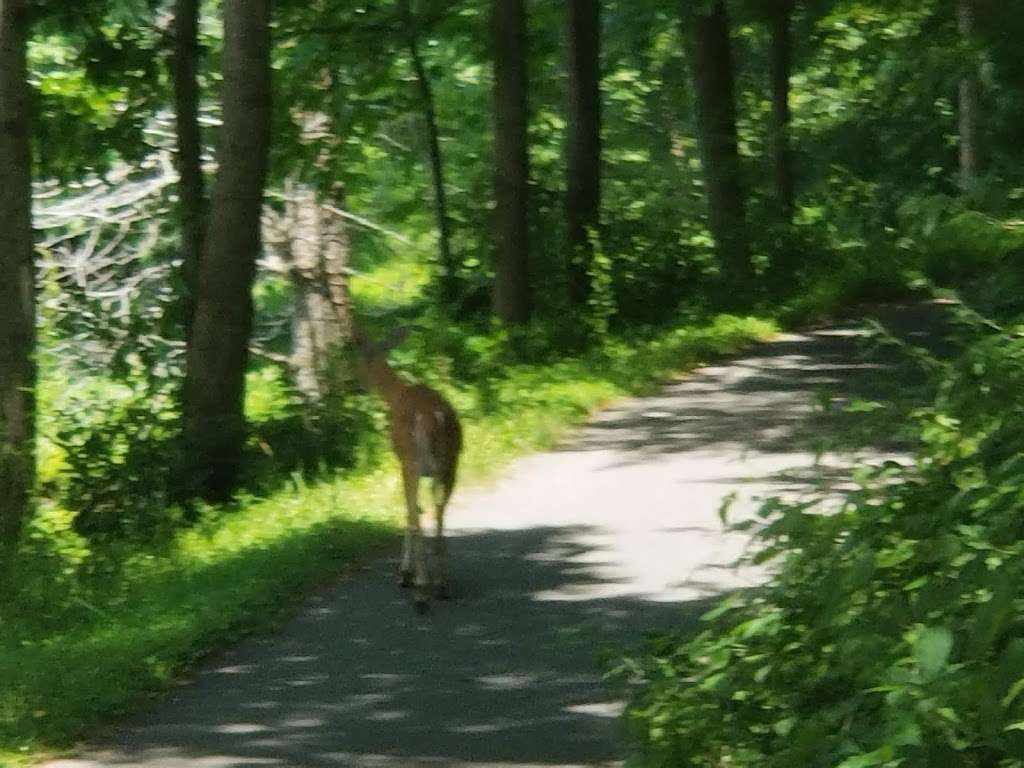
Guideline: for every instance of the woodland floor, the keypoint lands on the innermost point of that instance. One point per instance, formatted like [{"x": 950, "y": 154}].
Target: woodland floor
[{"x": 559, "y": 567}]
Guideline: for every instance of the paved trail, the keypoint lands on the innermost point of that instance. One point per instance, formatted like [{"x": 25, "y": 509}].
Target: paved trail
[{"x": 571, "y": 557}]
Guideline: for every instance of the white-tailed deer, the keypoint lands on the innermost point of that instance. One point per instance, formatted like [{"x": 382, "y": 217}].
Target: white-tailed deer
[{"x": 427, "y": 438}]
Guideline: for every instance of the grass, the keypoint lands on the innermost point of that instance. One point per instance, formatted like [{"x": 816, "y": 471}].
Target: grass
[
  {"x": 84, "y": 647},
  {"x": 131, "y": 632}
]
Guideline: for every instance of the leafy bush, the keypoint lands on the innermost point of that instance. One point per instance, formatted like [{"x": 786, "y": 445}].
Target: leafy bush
[
  {"x": 109, "y": 448},
  {"x": 982, "y": 256},
  {"x": 892, "y": 632},
  {"x": 970, "y": 243},
  {"x": 53, "y": 558},
  {"x": 116, "y": 440}
]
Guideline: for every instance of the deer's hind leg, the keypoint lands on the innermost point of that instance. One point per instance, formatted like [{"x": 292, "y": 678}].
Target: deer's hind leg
[
  {"x": 405, "y": 570},
  {"x": 442, "y": 492},
  {"x": 414, "y": 562}
]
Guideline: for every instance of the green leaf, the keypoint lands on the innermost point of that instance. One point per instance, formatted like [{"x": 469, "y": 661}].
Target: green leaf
[
  {"x": 864, "y": 406},
  {"x": 725, "y": 506},
  {"x": 1013, "y": 693},
  {"x": 881, "y": 755},
  {"x": 784, "y": 726},
  {"x": 932, "y": 650}
]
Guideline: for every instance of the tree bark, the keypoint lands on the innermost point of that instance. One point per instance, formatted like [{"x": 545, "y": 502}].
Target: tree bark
[
  {"x": 17, "y": 284},
  {"x": 511, "y": 279},
  {"x": 583, "y": 166},
  {"x": 191, "y": 192},
  {"x": 969, "y": 97},
  {"x": 318, "y": 251},
  {"x": 449, "y": 277},
  {"x": 218, "y": 351},
  {"x": 711, "y": 67},
  {"x": 780, "y": 65}
]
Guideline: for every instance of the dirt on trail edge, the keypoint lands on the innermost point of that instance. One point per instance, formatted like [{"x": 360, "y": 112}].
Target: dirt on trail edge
[{"x": 557, "y": 569}]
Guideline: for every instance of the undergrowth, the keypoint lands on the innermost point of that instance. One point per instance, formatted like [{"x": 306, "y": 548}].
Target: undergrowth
[{"x": 891, "y": 634}]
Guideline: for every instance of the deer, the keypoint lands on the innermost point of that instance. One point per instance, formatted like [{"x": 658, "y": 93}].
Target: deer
[{"x": 427, "y": 438}]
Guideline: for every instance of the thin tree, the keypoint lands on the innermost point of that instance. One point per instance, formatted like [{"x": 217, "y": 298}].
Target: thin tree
[
  {"x": 511, "y": 279},
  {"x": 780, "y": 64},
  {"x": 17, "y": 285},
  {"x": 449, "y": 278},
  {"x": 710, "y": 57},
  {"x": 218, "y": 351},
  {"x": 191, "y": 192},
  {"x": 969, "y": 97},
  {"x": 583, "y": 151}
]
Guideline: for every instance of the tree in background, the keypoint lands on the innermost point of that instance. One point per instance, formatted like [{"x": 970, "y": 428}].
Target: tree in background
[
  {"x": 311, "y": 241},
  {"x": 448, "y": 266},
  {"x": 17, "y": 288},
  {"x": 780, "y": 64},
  {"x": 583, "y": 151},
  {"x": 969, "y": 88},
  {"x": 511, "y": 272},
  {"x": 218, "y": 351},
  {"x": 191, "y": 194},
  {"x": 710, "y": 56}
]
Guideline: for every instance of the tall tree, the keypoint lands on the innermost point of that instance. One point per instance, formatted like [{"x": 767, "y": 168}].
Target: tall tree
[
  {"x": 448, "y": 267},
  {"x": 191, "y": 194},
  {"x": 969, "y": 97},
  {"x": 17, "y": 284},
  {"x": 512, "y": 278},
  {"x": 780, "y": 65},
  {"x": 710, "y": 57},
  {"x": 218, "y": 351},
  {"x": 583, "y": 166}
]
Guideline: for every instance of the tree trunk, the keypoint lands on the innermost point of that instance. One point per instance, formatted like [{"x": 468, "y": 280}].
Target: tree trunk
[
  {"x": 17, "y": 284},
  {"x": 969, "y": 97},
  {"x": 780, "y": 70},
  {"x": 583, "y": 166},
  {"x": 318, "y": 251},
  {"x": 449, "y": 278},
  {"x": 511, "y": 278},
  {"x": 711, "y": 67},
  {"x": 218, "y": 351},
  {"x": 191, "y": 194}
]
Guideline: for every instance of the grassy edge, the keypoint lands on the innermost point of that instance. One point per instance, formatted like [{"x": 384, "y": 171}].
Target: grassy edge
[{"x": 239, "y": 573}]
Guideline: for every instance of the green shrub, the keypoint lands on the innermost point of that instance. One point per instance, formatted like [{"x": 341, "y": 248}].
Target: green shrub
[
  {"x": 892, "y": 633},
  {"x": 115, "y": 442},
  {"x": 969, "y": 245}
]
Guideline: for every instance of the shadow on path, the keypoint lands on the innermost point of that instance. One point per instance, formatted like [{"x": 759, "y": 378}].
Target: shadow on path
[
  {"x": 509, "y": 673},
  {"x": 833, "y": 389}
]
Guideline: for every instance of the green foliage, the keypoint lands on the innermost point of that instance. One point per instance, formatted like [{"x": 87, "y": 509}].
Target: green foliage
[
  {"x": 95, "y": 68},
  {"x": 114, "y": 440},
  {"x": 981, "y": 256},
  {"x": 890, "y": 632}
]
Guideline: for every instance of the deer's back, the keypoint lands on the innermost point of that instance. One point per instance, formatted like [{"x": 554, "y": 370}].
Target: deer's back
[{"x": 426, "y": 429}]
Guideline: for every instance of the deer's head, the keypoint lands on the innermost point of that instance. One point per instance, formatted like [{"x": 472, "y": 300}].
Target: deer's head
[{"x": 372, "y": 367}]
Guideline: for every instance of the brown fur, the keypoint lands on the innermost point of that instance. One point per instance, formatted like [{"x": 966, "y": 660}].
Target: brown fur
[{"x": 427, "y": 439}]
